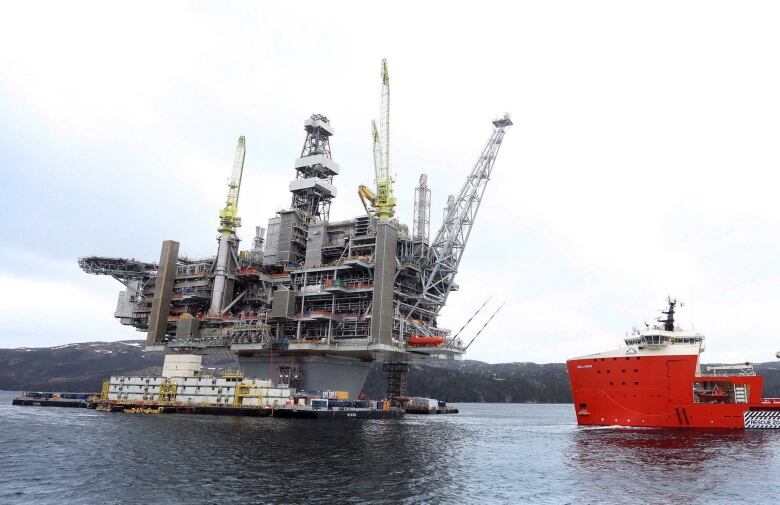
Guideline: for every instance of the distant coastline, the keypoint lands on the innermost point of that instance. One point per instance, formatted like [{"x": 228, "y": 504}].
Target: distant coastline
[{"x": 83, "y": 366}]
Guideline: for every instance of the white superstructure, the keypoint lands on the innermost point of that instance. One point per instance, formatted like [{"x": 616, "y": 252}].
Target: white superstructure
[{"x": 199, "y": 390}]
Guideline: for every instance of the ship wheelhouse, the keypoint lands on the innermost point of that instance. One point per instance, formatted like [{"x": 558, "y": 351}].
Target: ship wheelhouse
[{"x": 658, "y": 337}]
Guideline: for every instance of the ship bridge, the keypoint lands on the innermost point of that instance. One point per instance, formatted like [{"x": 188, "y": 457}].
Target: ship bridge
[{"x": 657, "y": 337}]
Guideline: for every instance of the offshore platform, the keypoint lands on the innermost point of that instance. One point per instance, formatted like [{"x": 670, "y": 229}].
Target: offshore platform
[{"x": 313, "y": 303}]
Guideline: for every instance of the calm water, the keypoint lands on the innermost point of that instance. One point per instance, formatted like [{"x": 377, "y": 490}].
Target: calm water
[{"x": 486, "y": 454}]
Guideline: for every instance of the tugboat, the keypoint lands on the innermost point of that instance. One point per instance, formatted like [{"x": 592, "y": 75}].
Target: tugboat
[{"x": 656, "y": 380}]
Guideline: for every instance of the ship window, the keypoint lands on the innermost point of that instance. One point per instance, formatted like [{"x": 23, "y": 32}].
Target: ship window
[
  {"x": 623, "y": 383},
  {"x": 636, "y": 383},
  {"x": 609, "y": 371},
  {"x": 636, "y": 369},
  {"x": 624, "y": 370}
]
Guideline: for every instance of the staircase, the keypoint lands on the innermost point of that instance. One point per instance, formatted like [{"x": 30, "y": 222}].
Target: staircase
[{"x": 740, "y": 394}]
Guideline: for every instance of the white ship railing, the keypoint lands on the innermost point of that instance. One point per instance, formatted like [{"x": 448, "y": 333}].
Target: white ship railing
[{"x": 728, "y": 370}]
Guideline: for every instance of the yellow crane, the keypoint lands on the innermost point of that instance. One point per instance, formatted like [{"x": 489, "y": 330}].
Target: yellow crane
[
  {"x": 381, "y": 204},
  {"x": 229, "y": 221}
]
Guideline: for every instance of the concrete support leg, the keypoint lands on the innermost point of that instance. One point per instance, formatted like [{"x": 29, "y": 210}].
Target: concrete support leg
[
  {"x": 163, "y": 289},
  {"x": 384, "y": 279}
]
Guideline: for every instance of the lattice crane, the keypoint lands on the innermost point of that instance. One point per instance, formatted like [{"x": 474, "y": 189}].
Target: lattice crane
[
  {"x": 447, "y": 247},
  {"x": 382, "y": 204},
  {"x": 229, "y": 221}
]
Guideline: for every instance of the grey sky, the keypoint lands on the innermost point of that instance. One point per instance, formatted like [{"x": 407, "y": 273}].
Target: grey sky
[{"x": 642, "y": 162}]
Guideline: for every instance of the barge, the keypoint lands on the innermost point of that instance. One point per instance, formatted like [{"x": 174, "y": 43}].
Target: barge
[
  {"x": 183, "y": 389},
  {"x": 286, "y": 411},
  {"x": 51, "y": 399},
  {"x": 419, "y": 405}
]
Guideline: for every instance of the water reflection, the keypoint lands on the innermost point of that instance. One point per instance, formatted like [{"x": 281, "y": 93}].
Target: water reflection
[
  {"x": 667, "y": 464},
  {"x": 486, "y": 454},
  {"x": 291, "y": 461}
]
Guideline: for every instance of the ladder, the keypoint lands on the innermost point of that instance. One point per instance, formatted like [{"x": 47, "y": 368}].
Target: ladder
[
  {"x": 104, "y": 390},
  {"x": 740, "y": 393}
]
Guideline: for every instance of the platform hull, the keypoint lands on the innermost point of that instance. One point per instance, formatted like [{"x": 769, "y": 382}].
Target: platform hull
[
  {"x": 317, "y": 372},
  {"x": 658, "y": 391}
]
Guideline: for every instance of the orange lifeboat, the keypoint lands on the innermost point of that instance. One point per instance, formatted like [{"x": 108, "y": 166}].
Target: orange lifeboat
[{"x": 421, "y": 341}]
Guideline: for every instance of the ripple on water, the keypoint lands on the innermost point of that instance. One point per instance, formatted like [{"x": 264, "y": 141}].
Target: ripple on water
[{"x": 486, "y": 454}]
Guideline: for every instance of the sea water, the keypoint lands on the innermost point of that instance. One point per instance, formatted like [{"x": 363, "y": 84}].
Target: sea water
[{"x": 489, "y": 453}]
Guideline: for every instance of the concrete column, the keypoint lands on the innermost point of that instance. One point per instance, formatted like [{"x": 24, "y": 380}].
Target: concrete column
[
  {"x": 384, "y": 279},
  {"x": 163, "y": 289},
  {"x": 220, "y": 274}
]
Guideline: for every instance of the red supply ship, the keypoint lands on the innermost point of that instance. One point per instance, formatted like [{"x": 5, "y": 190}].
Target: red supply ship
[{"x": 656, "y": 380}]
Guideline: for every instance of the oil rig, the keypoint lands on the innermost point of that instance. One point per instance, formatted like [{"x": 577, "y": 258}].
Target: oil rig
[{"x": 313, "y": 302}]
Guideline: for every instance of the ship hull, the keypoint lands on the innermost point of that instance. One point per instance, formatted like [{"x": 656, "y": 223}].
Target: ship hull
[{"x": 659, "y": 391}]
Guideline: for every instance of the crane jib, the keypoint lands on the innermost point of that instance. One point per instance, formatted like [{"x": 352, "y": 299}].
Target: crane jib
[{"x": 447, "y": 247}]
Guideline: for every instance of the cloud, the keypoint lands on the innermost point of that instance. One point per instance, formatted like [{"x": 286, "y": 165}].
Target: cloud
[
  {"x": 642, "y": 161},
  {"x": 40, "y": 312}
]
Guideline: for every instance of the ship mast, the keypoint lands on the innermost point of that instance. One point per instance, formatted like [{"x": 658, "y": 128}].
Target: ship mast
[{"x": 669, "y": 320}]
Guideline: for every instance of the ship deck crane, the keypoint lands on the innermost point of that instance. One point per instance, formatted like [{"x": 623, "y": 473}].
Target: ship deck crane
[{"x": 382, "y": 203}]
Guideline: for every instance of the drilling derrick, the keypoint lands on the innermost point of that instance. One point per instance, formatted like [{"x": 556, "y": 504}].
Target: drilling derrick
[
  {"x": 313, "y": 187},
  {"x": 447, "y": 247},
  {"x": 312, "y": 192},
  {"x": 226, "y": 263}
]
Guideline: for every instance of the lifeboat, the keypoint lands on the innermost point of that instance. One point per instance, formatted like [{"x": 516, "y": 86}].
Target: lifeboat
[
  {"x": 422, "y": 341},
  {"x": 716, "y": 395}
]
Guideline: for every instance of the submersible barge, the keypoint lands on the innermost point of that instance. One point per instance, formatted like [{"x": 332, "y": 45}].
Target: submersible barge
[{"x": 231, "y": 394}]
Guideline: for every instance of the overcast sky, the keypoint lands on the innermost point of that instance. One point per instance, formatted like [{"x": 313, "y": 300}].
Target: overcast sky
[{"x": 643, "y": 161}]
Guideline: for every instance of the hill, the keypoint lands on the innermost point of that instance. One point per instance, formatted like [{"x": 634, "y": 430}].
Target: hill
[{"x": 83, "y": 366}]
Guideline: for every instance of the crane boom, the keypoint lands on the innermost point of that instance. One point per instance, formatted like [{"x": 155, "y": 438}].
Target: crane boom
[
  {"x": 447, "y": 247},
  {"x": 471, "y": 318},
  {"x": 384, "y": 125},
  {"x": 228, "y": 217},
  {"x": 379, "y": 156},
  {"x": 384, "y": 201},
  {"x": 483, "y": 327}
]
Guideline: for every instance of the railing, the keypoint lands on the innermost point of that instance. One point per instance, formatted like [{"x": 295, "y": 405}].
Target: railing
[
  {"x": 364, "y": 259},
  {"x": 248, "y": 271},
  {"x": 728, "y": 371}
]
